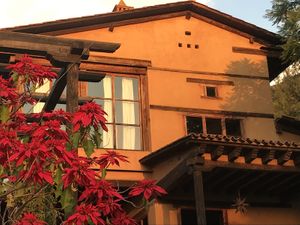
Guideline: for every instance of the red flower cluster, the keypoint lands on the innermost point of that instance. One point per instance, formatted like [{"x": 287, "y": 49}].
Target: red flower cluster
[
  {"x": 30, "y": 72},
  {"x": 89, "y": 114},
  {"x": 85, "y": 213},
  {"x": 110, "y": 158},
  {"x": 8, "y": 93},
  {"x": 42, "y": 155},
  {"x": 30, "y": 219},
  {"x": 148, "y": 188},
  {"x": 80, "y": 172}
]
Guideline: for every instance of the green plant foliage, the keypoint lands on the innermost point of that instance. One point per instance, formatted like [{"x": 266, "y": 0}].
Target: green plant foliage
[
  {"x": 286, "y": 96},
  {"x": 286, "y": 15}
]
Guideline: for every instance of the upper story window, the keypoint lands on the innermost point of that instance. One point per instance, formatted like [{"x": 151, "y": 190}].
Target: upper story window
[
  {"x": 211, "y": 91},
  {"x": 120, "y": 99},
  {"x": 209, "y": 125}
]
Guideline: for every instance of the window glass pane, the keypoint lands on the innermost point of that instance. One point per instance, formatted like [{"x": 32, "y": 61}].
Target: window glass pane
[
  {"x": 107, "y": 106},
  {"x": 126, "y": 88},
  {"x": 127, "y": 112},
  {"x": 194, "y": 125},
  {"x": 211, "y": 91},
  {"x": 233, "y": 127},
  {"x": 38, "y": 107},
  {"x": 128, "y": 137},
  {"x": 108, "y": 137},
  {"x": 100, "y": 89},
  {"x": 44, "y": 88},
  {"x": 213, "y": 126},
  {"x": 28, "y": 108},
  {"x": 61, "y": 106}
]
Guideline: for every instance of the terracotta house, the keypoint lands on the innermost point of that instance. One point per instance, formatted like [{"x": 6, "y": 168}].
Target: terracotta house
[{"x": 186, "y": 89}]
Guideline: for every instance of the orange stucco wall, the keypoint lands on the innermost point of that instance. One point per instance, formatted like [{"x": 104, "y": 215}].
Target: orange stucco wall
[{"x": 157, "y": 41}]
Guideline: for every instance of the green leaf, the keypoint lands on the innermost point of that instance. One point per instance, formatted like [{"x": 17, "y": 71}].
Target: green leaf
[
  {"x": 75, "y": 139},
  {"x": 26, "y": 139},
  {"x": 97, "y": 139},
  {"x": 4, "y": 113},
  {"x": 58, "y": 175},
  {"x": 15, "y": 77},
  {"x": 103, "y": 173},
  {"x": 68, "y": 201},
  {"x": 88, "y": 147},
  {"x": 1, "y": 170}
]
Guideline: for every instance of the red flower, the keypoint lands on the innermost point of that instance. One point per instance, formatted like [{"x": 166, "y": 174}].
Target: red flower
[
  {"x": 83, "y": 214},
  {"x": 80, "y": 173},
  {"x": 8, "y": 93},
  {"x": 99, "y": 190},
  {"x": 58, "y": 115},
  {"x": 34, "y": 73},
  {"x": 50, "y": 130},
  {"x": 89, "y": 114},
  {"x": 148, "y": 188},
  {"x": 110, "y": 158},
  {"x": 30, "y": 219},
  {"x": 123, "y": 219}
]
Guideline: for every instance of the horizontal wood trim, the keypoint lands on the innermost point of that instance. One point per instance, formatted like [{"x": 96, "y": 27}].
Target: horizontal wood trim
[
  {"x": 208, "y": 111},
  {"x": 113, "y": 68},
  {"x": 205, "y": 81},
  {"x": 253, "y": 51},
  {"x": 208, "y": 73},
  {"x": 243, "y": 166},
  {"x": 118, "y": 61},
  {"x": 113, "y": 24},
  {"x": 58, "y": 45},
  {"x": 228, "y": 28}
]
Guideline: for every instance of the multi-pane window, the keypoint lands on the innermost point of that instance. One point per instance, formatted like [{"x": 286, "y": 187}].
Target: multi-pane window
[
  {"x": 120, "y": 99},
  {"x": 208, "y": 125}
]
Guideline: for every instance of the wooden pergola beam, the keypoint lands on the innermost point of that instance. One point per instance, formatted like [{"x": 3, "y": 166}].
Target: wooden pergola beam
[
  {"x": 62, "y": 52},
  {"x": 56, "y": 91},
  {"x": 50, "y": 44}
]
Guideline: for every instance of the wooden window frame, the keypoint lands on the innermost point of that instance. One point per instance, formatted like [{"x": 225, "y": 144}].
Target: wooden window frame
[
  {"x": 142, "y": 100},
  {"x": 222, "y": 118}
]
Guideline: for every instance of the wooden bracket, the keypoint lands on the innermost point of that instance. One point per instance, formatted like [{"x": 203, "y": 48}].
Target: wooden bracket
[
  {"x": 284, "y": 157},
  {"x": 269, "y": 155},
  {"x": 234, "y": 154},
  {"x": 251, "y": 155},
  {"x": 216, "y": 153}
]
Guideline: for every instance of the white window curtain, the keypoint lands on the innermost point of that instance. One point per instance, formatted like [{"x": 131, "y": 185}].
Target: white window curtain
[
  {"x": 129, "y": 134},
  {"x": 107, "y": 106}
]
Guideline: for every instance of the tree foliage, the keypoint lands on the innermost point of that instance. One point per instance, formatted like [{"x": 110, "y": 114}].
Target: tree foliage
[
  {"x": 286, "y": 96},
  {"x": 40, "y": 168},
  {"x": 286, "y": 15}
]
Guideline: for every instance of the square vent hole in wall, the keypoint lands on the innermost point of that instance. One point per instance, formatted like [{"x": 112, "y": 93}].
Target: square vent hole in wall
[{"x": 211, "y": 91}]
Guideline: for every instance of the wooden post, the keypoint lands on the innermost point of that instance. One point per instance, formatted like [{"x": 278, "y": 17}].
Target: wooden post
[
  {"x": 196, "y": 166},
  {"x": 72, "y": 87},
  {"x": 72, "y": 105}
]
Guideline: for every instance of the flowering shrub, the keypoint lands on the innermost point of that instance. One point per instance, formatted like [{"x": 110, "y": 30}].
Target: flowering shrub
[{"x": 40, "y": 169}]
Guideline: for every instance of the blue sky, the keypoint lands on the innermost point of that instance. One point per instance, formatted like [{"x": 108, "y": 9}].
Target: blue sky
[
  {"x": 22, "y": 12},
  {"x": 252, "y": 11}
]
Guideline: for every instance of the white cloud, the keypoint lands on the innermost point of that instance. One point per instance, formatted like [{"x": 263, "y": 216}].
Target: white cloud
[{"x": 22, "y": 12}]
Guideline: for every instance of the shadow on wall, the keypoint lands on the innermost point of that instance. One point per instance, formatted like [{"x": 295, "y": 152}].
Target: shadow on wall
[{"x": 247, "y": 94}]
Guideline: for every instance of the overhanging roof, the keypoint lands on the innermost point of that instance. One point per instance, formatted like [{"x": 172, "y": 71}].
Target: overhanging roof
[
  {"x": 109, "y": 19},
  {"x": 263, "y": 184},
  {"x": 288, "y": 124},
  {"x": 232, "y": 147}
]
